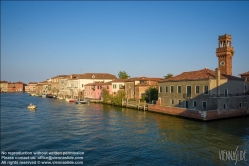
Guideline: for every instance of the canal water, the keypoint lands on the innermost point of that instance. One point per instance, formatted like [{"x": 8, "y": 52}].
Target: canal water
[{"x": 110, "y": 135}]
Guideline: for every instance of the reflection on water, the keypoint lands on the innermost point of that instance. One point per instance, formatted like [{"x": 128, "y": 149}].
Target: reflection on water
[{"x": 112, "y": 135}]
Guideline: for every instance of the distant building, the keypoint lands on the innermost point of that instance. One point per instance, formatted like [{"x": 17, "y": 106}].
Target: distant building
[
  {"x": 31, "y": 87},
  {"x": 3, "y": 86},
  {"x": 117, "y": 85},
  {"x": 41, "y": 88},
  {"x": 245, "y": 76},
  {"x": 87, "y": 78},
  {"x": 135, "y": 87},
  {"x": 16, "y": 87},
  {"x": 54, "y": 84},
  {"x": 94, "y": 90}
]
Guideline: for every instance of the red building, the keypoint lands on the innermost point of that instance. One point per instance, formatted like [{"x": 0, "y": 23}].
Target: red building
[{"x": 16, "y": 87}]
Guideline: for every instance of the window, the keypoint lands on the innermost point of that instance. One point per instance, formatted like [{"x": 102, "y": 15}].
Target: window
[
  {"x": 188, "y": 90},
  {"x": 240, "y": 105},
  {"x": 197, "y": 89},
  {"x": 166, "y": 89},
  {"x": 206, "y": 90},
  {"x": 226, "y": 92},
  {"x": 107, "y": 87},
  {"x": 179, "y": 102},
  {"x": 179, "y": 89},
  {"x": 171, "y": 89},
  {"x": 194, "y": 103},
  {"x": 172, "y": 101},
  {"x": 114, "y": 86},
  {"x": 120, "y": 86},
  {"x": 204, "y": 104},
  {"x": 160, "y": 89},
  {"x": 225, "y": 106},
  {"x": 82, "y": 85}
]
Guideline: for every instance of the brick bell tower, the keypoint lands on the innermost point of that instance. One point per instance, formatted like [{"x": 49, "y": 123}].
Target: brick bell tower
[{"x": 225, "y": 53}]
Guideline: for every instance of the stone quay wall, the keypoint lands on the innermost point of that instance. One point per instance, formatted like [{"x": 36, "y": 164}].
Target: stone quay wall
[{"x": 199, "y": 115}]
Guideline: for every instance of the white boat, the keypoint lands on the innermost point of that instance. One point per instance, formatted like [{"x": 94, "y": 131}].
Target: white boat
[
  {"x": 61, "y": 98},
  {"x": 31, "y": 107},
  {"x": 81, "y": 102},
  {"x": 44, "y": 95},
  {"x": 70, "y": 100}
]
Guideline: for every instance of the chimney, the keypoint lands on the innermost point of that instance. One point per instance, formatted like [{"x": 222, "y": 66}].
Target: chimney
[{"x": 217, "y": 75}]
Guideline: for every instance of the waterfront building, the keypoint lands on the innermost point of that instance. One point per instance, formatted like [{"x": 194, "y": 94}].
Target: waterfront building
[
  {"x": 206, "y": 89},
  {"x": 72, "y": 89},
  {"x": 3, "y": 86},
  {"x": 245, "y": 76},
  {"x": 63, "y": 87},
  {"x": 117, "y": 85},
  {"x": 16, "y": 87},
  {"x": 31, "y": 87},
  {"x": 55, "y": 84},
  {"x": 135, "y": 87},
  {"x": 202, "y": 90},
  {"x": 87, "y": 78},
  {"x": 94, "y": 90},
  {"x": 41, "y": 87}
]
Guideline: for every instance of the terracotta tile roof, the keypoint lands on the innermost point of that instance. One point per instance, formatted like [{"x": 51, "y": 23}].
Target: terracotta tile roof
[
  {"x": 245, "y": 74},
  {"x": 3, "y": 82},
  {"x": 97, "y": 76},
  {"x": 32, "y": 82},
  {"x": 60, "y": 76},
  {"x": 142, "y": 78},
  {"x": 142, "y": 84},
  {"x": 203, "y": 74},
  {"x": 97, "y": 83},
  {"x": 43, "y": 82},
  {"x": 19, "y": 82},
  {"x": 119, "y": 80}
]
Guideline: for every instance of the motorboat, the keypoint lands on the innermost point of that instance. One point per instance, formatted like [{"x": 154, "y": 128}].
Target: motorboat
[
  {"x": 70, "y": 100},
  {"x": 31, "y": 106},
  {"x": 44, "y": 95},
  {"x": 81, "y": 102}
]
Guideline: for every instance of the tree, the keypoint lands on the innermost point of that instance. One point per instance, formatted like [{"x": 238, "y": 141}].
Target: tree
[
  {"x": 169, "y": 75},
  {"x": 151, "y": 94},
  {"x": 106, "y": 96},
  {"x": 123, "y": 75}
]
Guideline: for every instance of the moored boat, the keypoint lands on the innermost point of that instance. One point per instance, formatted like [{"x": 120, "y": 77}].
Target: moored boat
[
  {"x": 70, "y": 100},
  {"x": 49, "y": 96},
  {"x": 81, "y": 102}
]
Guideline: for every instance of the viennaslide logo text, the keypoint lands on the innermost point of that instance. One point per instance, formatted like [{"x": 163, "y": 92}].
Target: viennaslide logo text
[{"x": 234, "y": 155}]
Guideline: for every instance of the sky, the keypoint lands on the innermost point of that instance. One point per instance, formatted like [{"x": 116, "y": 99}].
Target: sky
[{"x": 43, "y": 39}]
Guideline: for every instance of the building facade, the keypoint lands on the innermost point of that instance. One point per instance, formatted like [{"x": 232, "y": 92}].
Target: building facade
[
  {"x": 94, "y": 90},
  {"x": 55, "y": 84},
  {"x": 16, "y": 87},
  {"x": 4, "y": 86},
  {"x": 245, "y": 76},
  {"x": 136, "y": 87},
  {"x": 31, "y": 87},
  {"x": 202, "y": 90}
]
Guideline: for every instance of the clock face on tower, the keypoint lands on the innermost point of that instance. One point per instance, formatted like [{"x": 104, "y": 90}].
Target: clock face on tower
[{"x": 222, "y": 63}]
